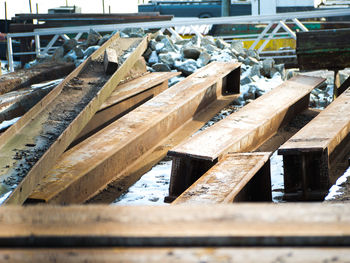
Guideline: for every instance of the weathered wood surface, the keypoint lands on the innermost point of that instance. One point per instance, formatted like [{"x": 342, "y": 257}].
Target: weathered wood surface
[
  {"x": 110, "y": 61},
  {"x": 202, "y": 225},
  {"x": 323, "y": 49},
  {"x": 77, "y": 19},
  {"x": 26, "y": 77},
  {"x": 125, "y": 98},
  {"x": 18, "y": 103},
  {"x": 309, "y": 154},
  {"x": 112, "y": 153},
  {"x": 186, "y": 255},
  {"x": 23, "y": 134},
  {"x": 242, "y": 131},
  {"x": 237, "y": 177}
]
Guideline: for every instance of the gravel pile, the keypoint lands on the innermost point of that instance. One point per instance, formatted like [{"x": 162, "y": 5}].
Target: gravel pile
[{"x": 173, "y": 53}]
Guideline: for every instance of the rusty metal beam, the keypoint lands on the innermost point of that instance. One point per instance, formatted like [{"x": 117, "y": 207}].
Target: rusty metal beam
[
  {"x": 237, "y": 177},
  {"x": 125, "y": 98},
  {"x": 179, "y": 225},
  {"x": 242, "y": 131},
  {"x": 310, "y": 154},
  {"x": 26, "y": 136},
  {"x": 133, "y": 143}
]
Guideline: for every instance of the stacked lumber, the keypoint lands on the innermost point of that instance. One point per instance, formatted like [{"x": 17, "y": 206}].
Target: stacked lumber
[
  {"x": 45, "y": 131},
  {"x": 242, "y": 131},
  {"x": 131, "y": 145},
  {"x": 110, "y": 121},
  {"x": 84, "y": 103}
]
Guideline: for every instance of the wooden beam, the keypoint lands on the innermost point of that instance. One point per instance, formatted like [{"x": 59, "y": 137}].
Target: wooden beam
[
  {"x": 26, "y": 77},
  {"x": 242, "y": 131},
  {"x": 85, "y": 88},
  {"x": 310, "y": 154},
  {"x": 182, "y": 226},
  {"x": 125, "y": 98},
  {"x": 110, "y": 61},
  {"x": 22, "y": 101},
  {"x": 131, "y": 142},
  {"x": 167, "y": 255},
  {"x": 323, "y": 49},
  {"x": 237, "y": 177}
]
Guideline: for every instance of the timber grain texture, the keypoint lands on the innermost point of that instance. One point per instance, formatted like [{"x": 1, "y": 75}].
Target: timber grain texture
[
  {"x": 302, "y": 224},
  {"x": 24, "y": 133},
  {"x": 114, "y": 152}
]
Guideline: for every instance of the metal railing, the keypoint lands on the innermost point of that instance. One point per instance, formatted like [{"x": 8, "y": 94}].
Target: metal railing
[{"x": 279, "y": 20}]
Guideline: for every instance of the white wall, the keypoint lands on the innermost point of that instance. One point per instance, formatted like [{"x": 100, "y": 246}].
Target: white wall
[
  {"x": 267, "y": 7},
  {"x": 87, "y": 6},
  {"x": 314, "y": 3}
]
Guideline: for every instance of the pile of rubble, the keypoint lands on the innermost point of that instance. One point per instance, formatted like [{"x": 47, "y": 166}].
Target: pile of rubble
[
  {"x": 173, "y": 53},
  {"x": 188, "y": 55}
]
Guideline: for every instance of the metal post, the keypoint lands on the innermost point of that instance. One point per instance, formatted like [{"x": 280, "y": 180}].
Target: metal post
[
  {"x": 6, "y": 31},
  {"x": 37, "y": 44},
  {"x": 30, "y": 6},
  {"x": 37, "y": 9},
  {"x": 66, "y": 2},
  {"x": 103, "y": 5},
  {"x": 5, "y": 10},
  {"x": 10, "y": 53},
  {"x": 300, "y": 25},
  {"x": 225, "y": 7},
  {"x": 262, "y": 35},
  {"x": 263, "y": 45},
  {"x": 109, "y": 9},
  {"x": 288, "y": 30}
]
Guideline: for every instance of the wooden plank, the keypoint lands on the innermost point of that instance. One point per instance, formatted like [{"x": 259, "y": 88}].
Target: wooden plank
[
  {"x": 188, "y": 255},
  {"x": 115, "y": 107},
  {"x": 110, "y": 61},
  {"x": 242, "y": 131},
  {"x": 18, "y": 103},
  {"x": 28, "y": 16},
  {"x": 125, "y": 98},
  {"x": 251, "y": 224},
  {"x": 310, "y": 154},
  {"x": 230, "y": 179},
  {"x": 26, "y": 77},
  {"x": 159, "y": 151},
  {"x": 33, "y": 129},
  {"x": 113, "y": 152},
  {"x": 323, "y": 49}
]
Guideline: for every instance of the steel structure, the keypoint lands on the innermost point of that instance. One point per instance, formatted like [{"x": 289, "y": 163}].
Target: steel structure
[{"x": 279, "y": 19}]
